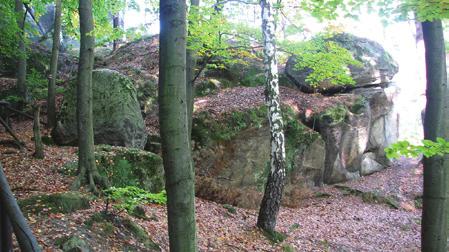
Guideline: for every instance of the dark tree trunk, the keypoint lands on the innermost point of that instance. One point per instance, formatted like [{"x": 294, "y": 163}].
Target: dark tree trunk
[
  {"x": 25, "y": 237},
  {"x": 271, "y": 200},
  {"x": 22, "y": 58},
  {"x": 176, "y": 152},
  {"x": 51, "y": 100},
  {"x": 436, "y": 124},
  {"x": 5, "y": 231},
  {"x": 190, "y": 74},
  {"x": 38, "y": 146},
  {"x": 88, "y": 173},
  {"x": 115, "y": 24}
]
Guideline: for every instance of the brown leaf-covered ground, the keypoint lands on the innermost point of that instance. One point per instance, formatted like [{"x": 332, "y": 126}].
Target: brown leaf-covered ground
[{"x": 331, "y": 221}]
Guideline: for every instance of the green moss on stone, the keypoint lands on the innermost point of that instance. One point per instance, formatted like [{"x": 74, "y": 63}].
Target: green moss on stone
[
  {"x": 55, "y": 203},
  {"x": 130, "y": 167},
  {"x": 207, "y": 130},
  {"x": 140, "y": 234}
]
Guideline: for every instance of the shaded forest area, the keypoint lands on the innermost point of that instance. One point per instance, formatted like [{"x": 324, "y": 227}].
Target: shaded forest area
[{"x": 231, "y": 126}]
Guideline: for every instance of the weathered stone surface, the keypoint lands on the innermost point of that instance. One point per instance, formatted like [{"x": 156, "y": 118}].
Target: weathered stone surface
[
  {"x": 116, "y": 113},
  {"x": 378, "y": 66},
  {"x": 369, "y": 164},
  {"x": 369, "y": 127}
]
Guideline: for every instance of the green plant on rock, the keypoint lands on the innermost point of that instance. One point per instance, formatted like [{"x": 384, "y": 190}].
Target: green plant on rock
[
  {"x": 335, "y": 115},
  {"x": 127, "y": 198}
]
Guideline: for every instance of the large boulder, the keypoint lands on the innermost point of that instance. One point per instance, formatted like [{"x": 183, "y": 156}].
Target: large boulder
[
  {"x": 117, "y": 117},
  {"x": 233, "y": 165},
  {"x": 356, "y": 139},
  {"x": 378, "y": 67}
]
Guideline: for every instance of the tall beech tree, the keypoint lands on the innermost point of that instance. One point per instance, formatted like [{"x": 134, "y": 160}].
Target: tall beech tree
[
  {"x": 275, "y": 184},
  {"x": 87, "y": 170},
  {"x": 21, "y": 58},
  {"x": 435, "y": 215},
  {"x": 51, "y": 100},
  {"x": 176, "y": 149}
]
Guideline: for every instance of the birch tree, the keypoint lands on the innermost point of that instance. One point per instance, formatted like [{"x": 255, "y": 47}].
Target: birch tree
[{"x": 275, "y": 184}]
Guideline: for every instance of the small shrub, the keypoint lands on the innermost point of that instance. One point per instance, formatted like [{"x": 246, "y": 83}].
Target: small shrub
[{"x": 275, "y": 236}]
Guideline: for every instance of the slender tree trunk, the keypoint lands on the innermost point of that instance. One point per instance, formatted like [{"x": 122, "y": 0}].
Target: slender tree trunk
[
  {"x": 5, "y": 231},
  {"x": 26, "y": 239},
  {"x": 22, "y": 58},
  {"x": 176, "y": 152},
  {"x": 51, "y": 99},
  {"x": 88, "y": 173},
  {"x": 190, "y": 73},
  {"x": 38, "y": 146},
  {"x": 115, "y": 24},
  {"x": 271, "y": 201},
  {"x": 436, "y": 124}
]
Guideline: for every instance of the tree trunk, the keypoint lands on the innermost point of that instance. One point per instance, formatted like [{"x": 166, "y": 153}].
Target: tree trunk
[
  {"x": 275, "y": 183},
  {"x": 22, "y": 58},
  {"x": 115, "y": 24},
  {"x": 51, "y": 99},
  {"x": 88, "y": 173},
  {"x": 5, "y": 231},
  {"x": 436, "y": 174},
  {"x": 176, "y": 150},
  {"x": 26, "y": 239},
  {"x": 38, "y": 146},
  {"x": 190, "y": 74}
]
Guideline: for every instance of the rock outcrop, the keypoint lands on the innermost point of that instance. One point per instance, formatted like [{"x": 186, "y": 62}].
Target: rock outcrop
[
  {"x": 378, "y": 67},
  {"x": 116, "y": 112}
]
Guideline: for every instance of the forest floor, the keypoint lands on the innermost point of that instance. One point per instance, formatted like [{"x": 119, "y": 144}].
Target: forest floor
[{"x": 338, "y": 218}]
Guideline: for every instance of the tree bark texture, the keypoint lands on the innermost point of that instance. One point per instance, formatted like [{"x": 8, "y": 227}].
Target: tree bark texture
[
  {"x": 275, "y": 183},
  {"x": 5, "y": 231},
  {"x": 21, "y": 58},
  {"x": 51, "y": 100},
  {"x": 436, "y": 174},
  {"x": 38, "y": 146},
  {"x": 190, "y": 74},
  {"x": 176, "y": 150},
  {"x": 27, "y": 241},
  {"x": 87, "y": 170}
]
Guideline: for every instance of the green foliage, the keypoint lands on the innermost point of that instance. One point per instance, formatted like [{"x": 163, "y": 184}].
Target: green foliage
[
  {"x": 428, "y": 148},
  {"x": 359, "y": 104},
  {"x": 9, "y": 30},
  {"x": 274, "y": 236},
  {"x": 216, "y": 40},
  {"x": 37, "y": 84},
  {"x": 335, "y": 115},
  {"x": 327, "y": 60},
  {"x": 231, "y": 209},
  {"x": 127, "y": 198}
]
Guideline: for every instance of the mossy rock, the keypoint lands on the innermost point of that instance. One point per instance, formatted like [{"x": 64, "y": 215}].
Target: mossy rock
[
  {"x": 130, "y": 167},
  {"x": 73, "y": 244},
  {"x": 118, "y": 119},
  {"x": 140, "y": 235},
  {"x": 67, "y": 202}
]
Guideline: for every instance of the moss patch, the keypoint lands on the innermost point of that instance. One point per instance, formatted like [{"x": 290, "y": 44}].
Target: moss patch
[
  {"x": 140, "y": 234},
  {"x": 207, "y": 130},
  {"x": 370, "y": 197},
  {"x": 130, "y": 167},
  {"x": 334, "y": 115},
  {"x": 55, "y": 203}
]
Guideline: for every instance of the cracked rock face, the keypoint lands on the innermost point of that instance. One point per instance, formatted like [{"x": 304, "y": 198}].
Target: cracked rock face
[{"x": 378, "y": 67}]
